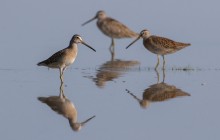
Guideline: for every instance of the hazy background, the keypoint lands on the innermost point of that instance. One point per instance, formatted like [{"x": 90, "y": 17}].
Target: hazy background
[{"x": 31, "y": 31}]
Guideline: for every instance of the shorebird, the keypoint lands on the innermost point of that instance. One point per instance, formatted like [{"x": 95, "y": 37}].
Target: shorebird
[
  {"x": 62, "y": 105},
  {"x": 159, "y": 45},
  {"x": 64, "y": 57},
  {"x": 111, "y": 27}
]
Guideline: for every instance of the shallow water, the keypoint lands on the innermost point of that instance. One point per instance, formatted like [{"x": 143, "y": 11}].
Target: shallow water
[{"x": 111, "y": 87}]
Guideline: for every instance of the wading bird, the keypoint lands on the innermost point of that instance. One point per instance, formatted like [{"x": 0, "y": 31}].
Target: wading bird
[
  {"x": 65, "y": 57},
  {"x": 159, "y": 45},
  {"x": 111, "y": 27}
]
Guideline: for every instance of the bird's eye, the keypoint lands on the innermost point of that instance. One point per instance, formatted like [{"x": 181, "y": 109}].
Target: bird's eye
[
  {"x": 101, "y": 14},
  {"x": 78, "y": 38}
]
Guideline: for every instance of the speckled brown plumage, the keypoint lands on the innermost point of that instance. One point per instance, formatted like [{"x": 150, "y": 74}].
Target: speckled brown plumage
[
  {"x": 162, "y": 45},
  {"x": 159, "y": 45}
]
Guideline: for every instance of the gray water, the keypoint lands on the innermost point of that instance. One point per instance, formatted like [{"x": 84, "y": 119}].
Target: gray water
[{"x": 31, "y": 31}]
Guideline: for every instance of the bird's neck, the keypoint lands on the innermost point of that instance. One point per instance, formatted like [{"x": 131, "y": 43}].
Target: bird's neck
[
  {"x": 145, "y": 37},
  {"x": 101, "y": 19},
  {"x": 73, "y": 46}
]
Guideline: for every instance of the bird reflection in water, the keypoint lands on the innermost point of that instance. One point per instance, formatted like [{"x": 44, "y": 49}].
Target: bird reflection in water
[
  {"x": 112, "y": 69},
  {"x": 158, "y": 92},
  {"x": 62, "y": 105}
]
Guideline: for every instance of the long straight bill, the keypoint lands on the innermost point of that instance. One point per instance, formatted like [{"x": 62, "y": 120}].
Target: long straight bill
[
  {"x": 88, "y": 46},
  {"x": 83, "y": 123},
  {"x": 133, "y": 42},
  {"x": 88, "y": 21}
]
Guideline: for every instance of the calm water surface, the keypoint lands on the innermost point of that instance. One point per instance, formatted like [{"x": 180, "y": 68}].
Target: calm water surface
[{"x": 124, "y": 92}]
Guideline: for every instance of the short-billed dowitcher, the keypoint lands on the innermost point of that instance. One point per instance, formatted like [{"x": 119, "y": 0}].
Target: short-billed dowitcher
[
  {"x": 112, "y": 27},
  {"x": 62, "y": 105},
  {"x": 159, "y": 45},
  {"x": 65, "y": 57}
]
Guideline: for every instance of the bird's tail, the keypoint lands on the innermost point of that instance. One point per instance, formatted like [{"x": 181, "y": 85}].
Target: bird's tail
[
  {"x": 42, "y": 99},
  {"x": 188, "y": 44},
  {"x": 41, "y": 63}
]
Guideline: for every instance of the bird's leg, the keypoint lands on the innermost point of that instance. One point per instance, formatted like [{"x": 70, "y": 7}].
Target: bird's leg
[
  {"x": 113, "y": 56},
  {"x": 113, "y": 42},
  {"x": 164, "y": 75},
  {"x": 158, "y": 76},
  {"x": 163, "y": 62},
  {"x": 61, "y": 91},
  {"x": 112, "y": 51},
  {"x": 61, "y": 75},
  {"x": 112, "y": 46},
  {"x": 63, "y": 70},
  {"x": 158, "y": 62}
]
